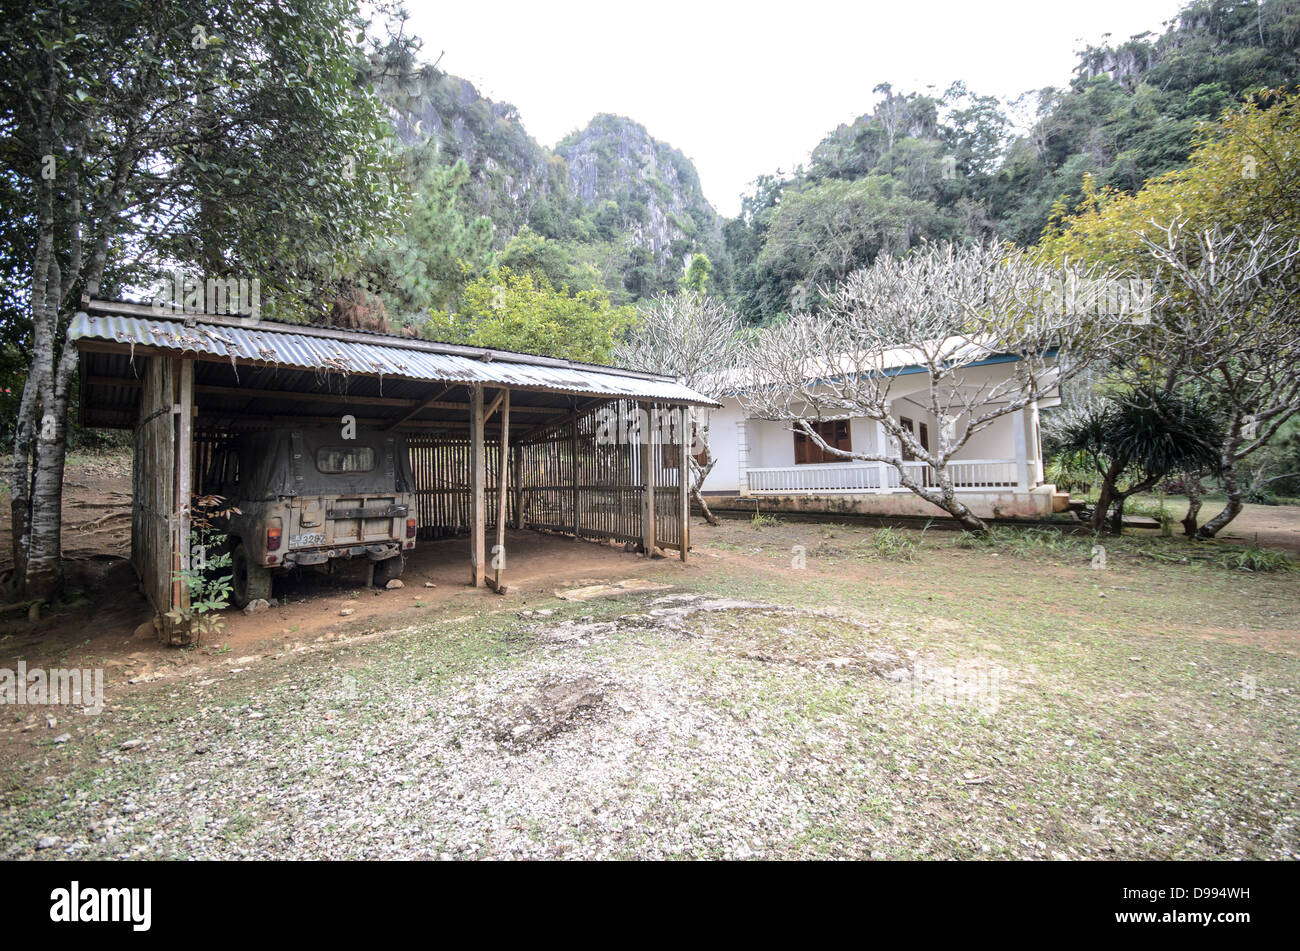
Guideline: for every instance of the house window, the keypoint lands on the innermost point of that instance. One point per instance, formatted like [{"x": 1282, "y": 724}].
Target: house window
[{"x": 835, "y": 433}]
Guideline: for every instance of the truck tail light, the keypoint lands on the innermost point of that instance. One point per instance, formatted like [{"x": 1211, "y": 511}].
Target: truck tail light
[
  {"x": 273, "y": 539},
  {"x": 410, "y": 528}
]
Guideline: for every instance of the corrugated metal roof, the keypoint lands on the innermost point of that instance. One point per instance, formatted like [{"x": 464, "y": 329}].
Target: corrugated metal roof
[{"x": 259, "y": 343}]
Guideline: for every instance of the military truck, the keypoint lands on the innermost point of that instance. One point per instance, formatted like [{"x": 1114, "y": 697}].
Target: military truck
[{"x": 309, "y": 498}]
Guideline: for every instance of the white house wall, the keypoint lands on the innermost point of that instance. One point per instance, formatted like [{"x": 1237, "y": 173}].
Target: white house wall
[{"x": 770, "y": 444}]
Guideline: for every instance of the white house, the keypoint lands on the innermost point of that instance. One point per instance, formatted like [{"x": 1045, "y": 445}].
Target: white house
[{"x": 997, "y": 473}]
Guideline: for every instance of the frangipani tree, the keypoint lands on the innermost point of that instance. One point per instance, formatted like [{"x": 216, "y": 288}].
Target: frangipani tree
[
  {"x": 1214, "y": 236},
  {"x": 697, "y": 339},
  {"x": 1227, "y": 325},
  {"x": 943, "y": 311}
]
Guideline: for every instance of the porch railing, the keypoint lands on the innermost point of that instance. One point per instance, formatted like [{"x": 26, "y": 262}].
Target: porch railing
[{"x": 967, "y": 475}]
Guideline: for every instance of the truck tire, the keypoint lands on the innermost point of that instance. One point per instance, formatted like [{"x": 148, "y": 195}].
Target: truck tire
[
  {"x": 249, "y": 581},
  {"x": 388, "y": 569}
]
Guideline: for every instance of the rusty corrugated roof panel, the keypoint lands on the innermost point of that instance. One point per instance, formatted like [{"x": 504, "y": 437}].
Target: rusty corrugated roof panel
[{"x": 278, "y": 344}]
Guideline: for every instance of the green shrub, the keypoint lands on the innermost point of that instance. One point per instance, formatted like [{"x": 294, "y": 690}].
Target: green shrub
[
  {"x": 1255, "y": 558},
  {"x": 894, "y": 543}
]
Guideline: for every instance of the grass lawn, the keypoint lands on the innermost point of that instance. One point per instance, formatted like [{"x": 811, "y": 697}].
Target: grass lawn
[{"x": 798, "y": 690}]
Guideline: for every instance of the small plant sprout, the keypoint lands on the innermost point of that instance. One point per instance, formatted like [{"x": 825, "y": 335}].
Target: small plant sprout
[{"x": 206, "y": 571}]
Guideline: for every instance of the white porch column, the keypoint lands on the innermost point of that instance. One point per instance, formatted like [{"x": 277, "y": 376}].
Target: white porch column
[
  {"x": 882, "y": 469},
  {"x": 1034, "y": 441},
  {"x": 1026, "y": 463},
  {"x": 742, "y": 457}
]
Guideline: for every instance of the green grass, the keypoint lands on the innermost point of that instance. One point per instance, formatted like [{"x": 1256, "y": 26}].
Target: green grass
[{"x": 1144, "y": 707}]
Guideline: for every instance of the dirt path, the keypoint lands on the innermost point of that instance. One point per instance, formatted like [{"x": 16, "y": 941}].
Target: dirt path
[
  {"x": 1273, "y": 526},
  {"x": 104, "y": 620}
]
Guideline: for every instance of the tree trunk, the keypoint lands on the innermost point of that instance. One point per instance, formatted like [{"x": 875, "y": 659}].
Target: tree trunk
[
  {"x": 1119, "y": 498},
  {"x": 43, "y": 575},
  {"x": 702, "y": 473},
  {"x": 1117, "y": 515},
  {"x": 20, "y": 490},
  {"x": 1194, "y": 502},
  {"x": 1232, "y": 486},
  {"x": 946, "y": 499},
  {"x": 968, "y": 519},
  {"x": 40, "y": 451},
  {"x": 1106, "y": 495}
]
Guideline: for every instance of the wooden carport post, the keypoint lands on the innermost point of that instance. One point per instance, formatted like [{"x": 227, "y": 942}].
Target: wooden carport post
[
  {"x": 477, "y": 485},
  {"x": 685, "y": 432},
  {"x": 503, "y": 487},
  {"x": 517, "y": 481},
  {"x": 647, "y": 478},
  {"x": 183, "y": 409}
]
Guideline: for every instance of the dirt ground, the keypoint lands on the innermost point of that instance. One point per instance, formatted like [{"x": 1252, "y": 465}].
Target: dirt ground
[
  {"x": 798, "y": 689},
  {"x": 105, "y": 617}
]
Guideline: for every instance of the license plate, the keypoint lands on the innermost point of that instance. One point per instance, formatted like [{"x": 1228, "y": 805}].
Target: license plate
[{"x": 307, "y": 540}]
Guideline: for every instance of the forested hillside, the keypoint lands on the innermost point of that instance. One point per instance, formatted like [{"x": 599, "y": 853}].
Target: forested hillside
[
  {"x": 956, "y": 166},
  {"x": 612, "y": 208},
  {"x": 609, "y": 207}
]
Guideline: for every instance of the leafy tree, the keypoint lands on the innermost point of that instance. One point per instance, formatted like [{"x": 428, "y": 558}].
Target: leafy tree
[
  {"x": 425, "y": 264},
  {"x": 820, "y": 233},
  {"x": 551, "y": 261},
  {"x": 231, "y": 136},
  {"x": 525, "y": 313},
  {"x": 698, "y": 274},
  {"x": 1244, "y": 172}
]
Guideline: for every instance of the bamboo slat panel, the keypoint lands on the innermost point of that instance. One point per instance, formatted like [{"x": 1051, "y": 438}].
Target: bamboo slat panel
[{"x": 440, "y": 465}]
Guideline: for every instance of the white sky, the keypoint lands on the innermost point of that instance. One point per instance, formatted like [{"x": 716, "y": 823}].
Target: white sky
[{"x": 745, "y": 88}]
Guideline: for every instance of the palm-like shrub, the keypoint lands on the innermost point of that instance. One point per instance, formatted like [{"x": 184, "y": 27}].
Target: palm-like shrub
[{"x": 1136, "y": 439}]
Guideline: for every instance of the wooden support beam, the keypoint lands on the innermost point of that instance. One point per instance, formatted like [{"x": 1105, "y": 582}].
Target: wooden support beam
[
  {"x": 300, "y": 396},
  {"x": 503, "y": 487},
  {"x": 233, "y": 421},
  {"x": 685, "y": 431},
  {"x": 477, "y": 485},
  {"x": 496, "y": 404},
  {"x": 415, "y": 410},
  {"x": 184, "y": 491},
  {"x": 647, "y": 478}
]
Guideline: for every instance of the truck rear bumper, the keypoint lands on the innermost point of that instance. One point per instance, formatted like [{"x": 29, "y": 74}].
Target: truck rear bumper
[{"x": 319, "y": 556}]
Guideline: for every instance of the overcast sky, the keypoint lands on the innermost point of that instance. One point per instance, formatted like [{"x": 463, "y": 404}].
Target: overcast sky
[{"x": 746, "y": 88}]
